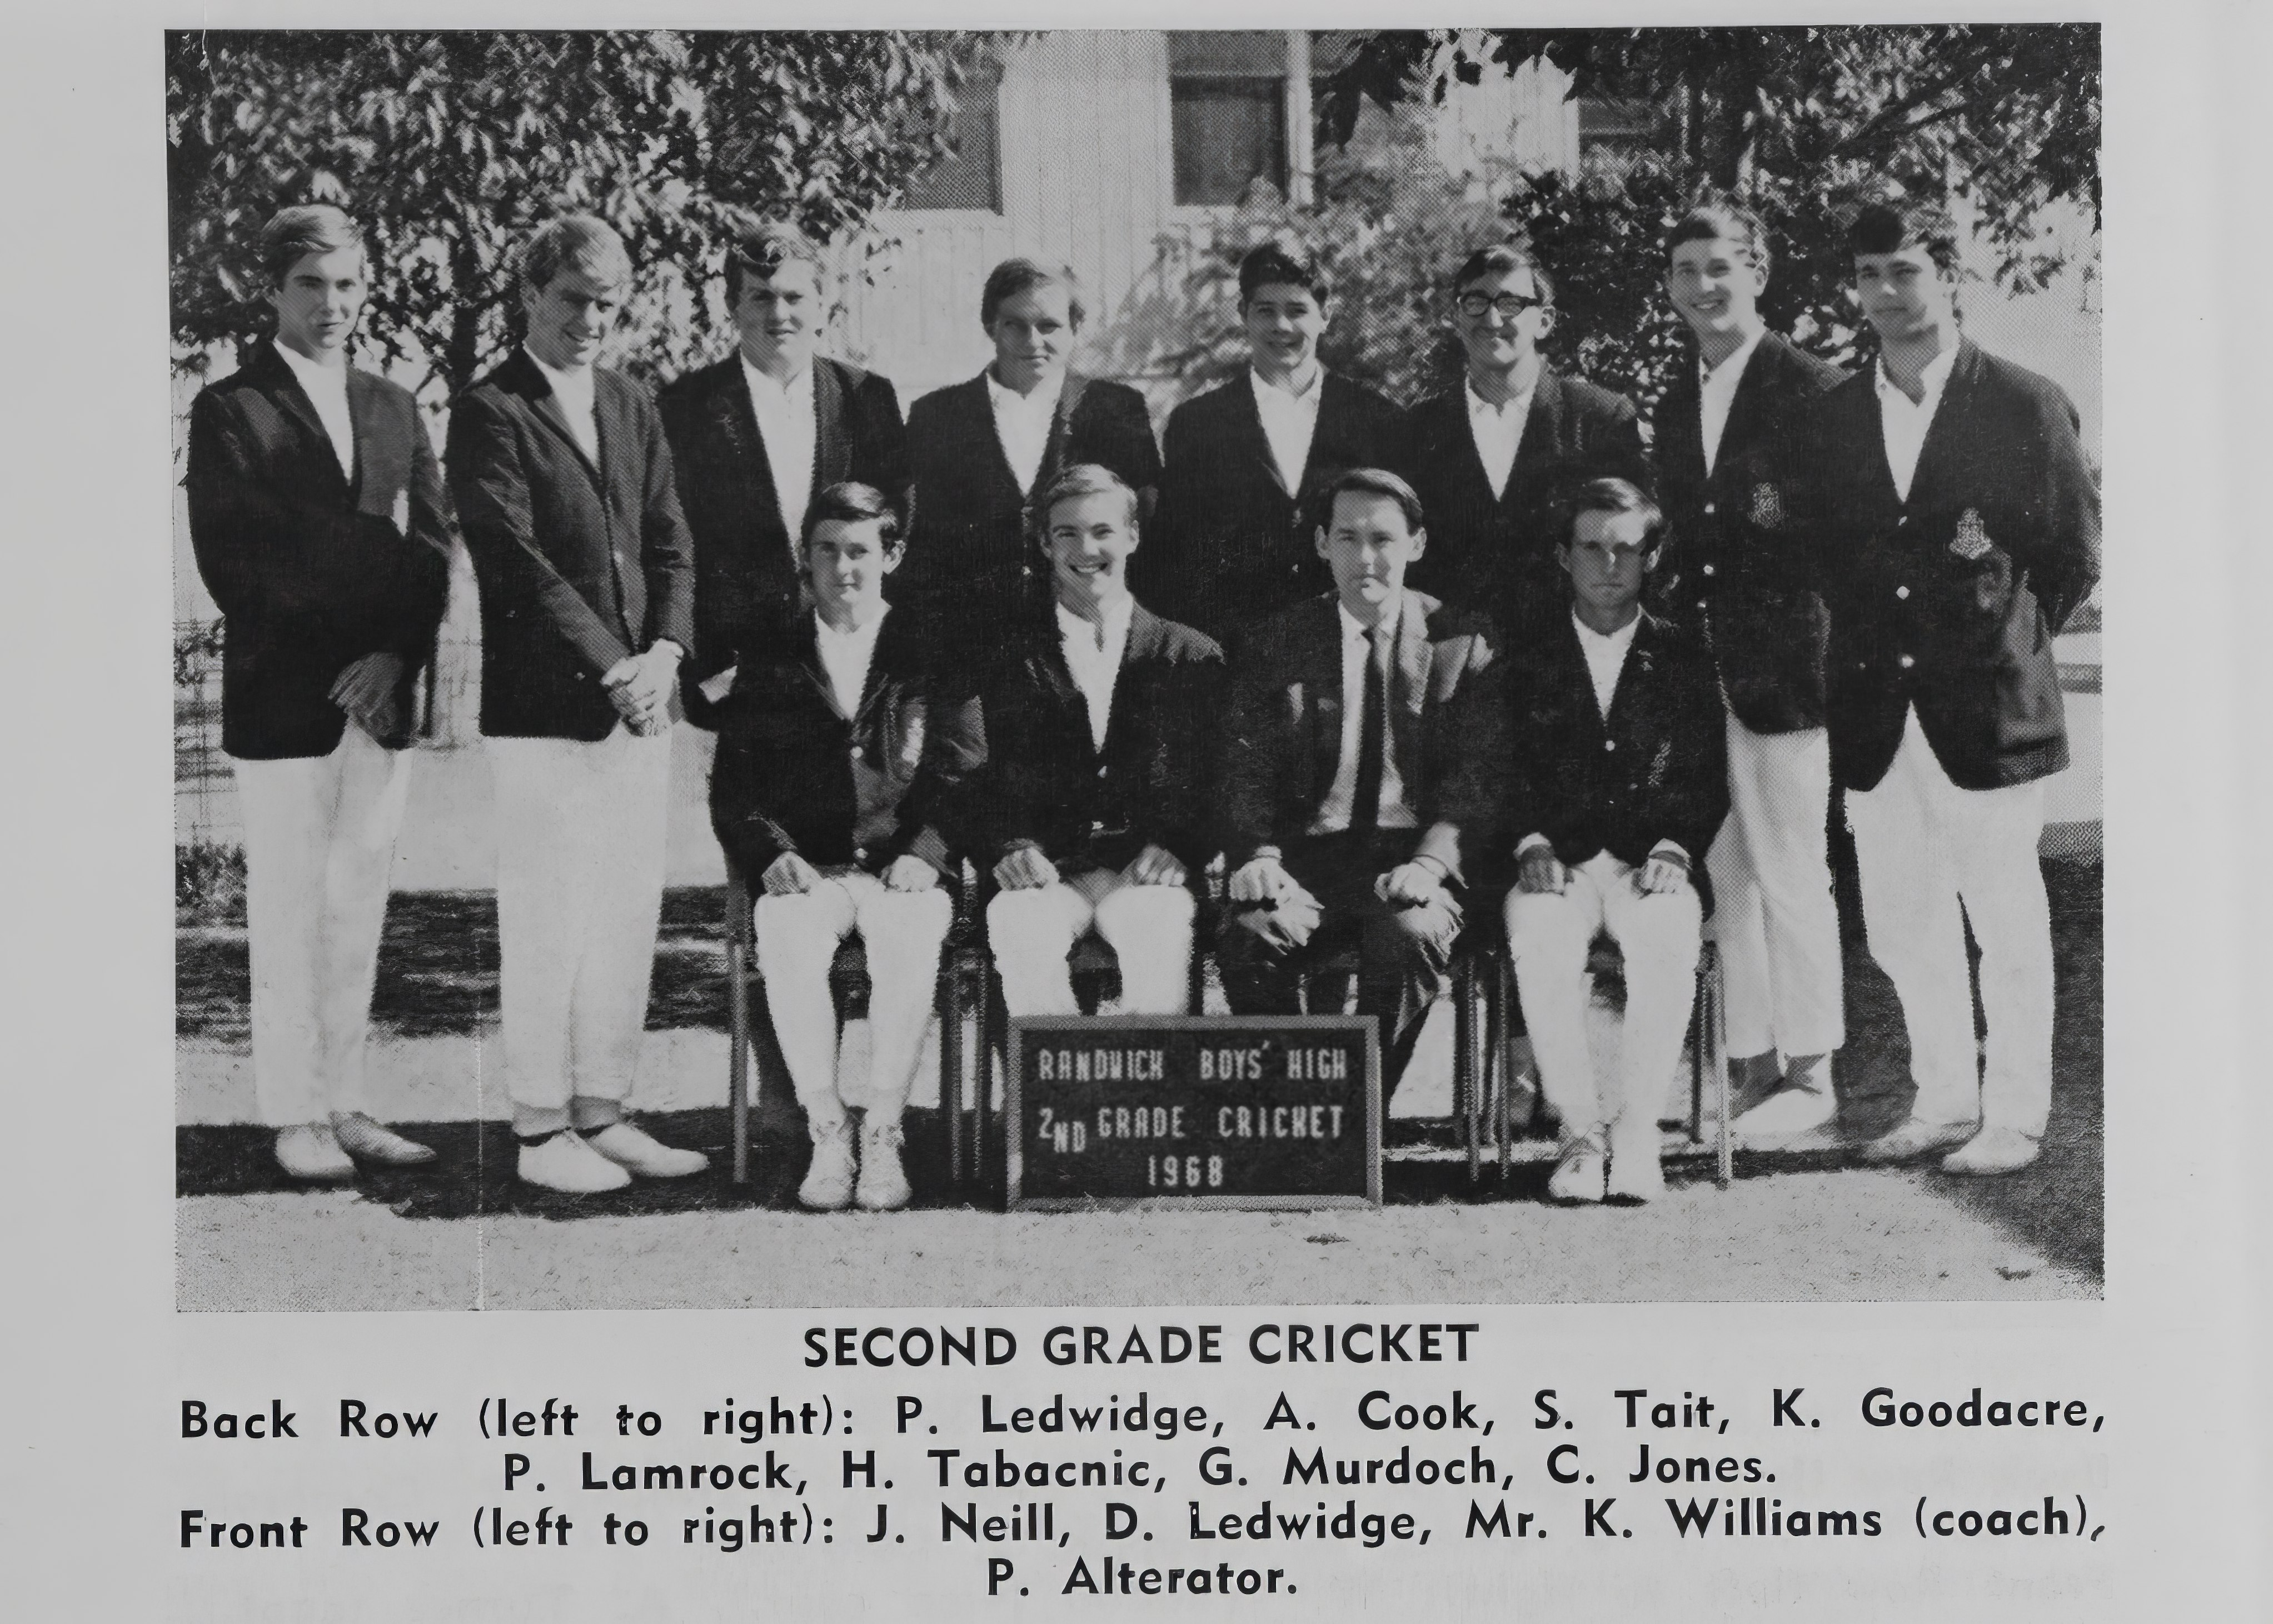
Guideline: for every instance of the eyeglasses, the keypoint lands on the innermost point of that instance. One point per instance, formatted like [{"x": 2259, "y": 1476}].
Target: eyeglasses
[{"x": 1510, "y": 305}]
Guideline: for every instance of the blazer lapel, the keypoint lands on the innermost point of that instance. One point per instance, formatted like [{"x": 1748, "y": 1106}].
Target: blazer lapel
[
  {"x": 808, "y": 660},
  {"x": 284, "y": 385},
  {"x": 1323, "y": 653},
  {"x": 738, "y": 420},
  {"x": 1540, "y": 449},
  {"x": 1247, "y": 427},
  {"x": 537, "y": 388},
  {"x": 1414, "y": 657},
  {"x": 832, "y": 449},
  {"x": 1053, "y": 448},
  {"x": 1938, "y": 455}
]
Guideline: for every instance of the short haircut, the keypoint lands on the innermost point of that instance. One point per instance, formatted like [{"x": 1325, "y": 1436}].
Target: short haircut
[
  {"x": 292, "y": 234},
  {"x": 1713, "y": 218},
  {"x": 1368, "y": 482},
  {"x": 1891, "y": 227},
  {"x": 1499, "y": 258},
  {"x": 1609, "y": 496},
  {"x": 1082, "y": 479},
  {"x": 850, "y": 502},
  {"x": 761, "y": 247},
  {"x": 1013, "y": 277},
  {"x": 1275, "y": 263},
  {"x": 583, "y": 243}
]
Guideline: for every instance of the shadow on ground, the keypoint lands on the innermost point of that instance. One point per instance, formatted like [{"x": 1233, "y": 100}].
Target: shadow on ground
[{"x": 437, "y": 976}]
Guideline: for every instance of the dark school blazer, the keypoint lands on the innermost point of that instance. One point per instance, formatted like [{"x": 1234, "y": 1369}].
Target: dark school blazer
[
  {"x": 1497, "y": 554},
  {"x": 306, "y": 563},
  {"x": 795, "y": 773},
  {"x": 746, "y": 567},
  {"x": 1282, "y": 736},
  {"x": 1231, "y": 544},
  {"x": 1948, "y": 602},
  {"x": 1656, "y": 770},
  {"x": 1727, "y": 569},
  {"x": 1048, "y": 786},
  {"x": 578, "y": 564},
  {"x": 968, "y": 558}
]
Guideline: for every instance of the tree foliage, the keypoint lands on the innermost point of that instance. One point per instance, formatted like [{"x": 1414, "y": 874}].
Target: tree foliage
[
  {"x": 2004, "y": 115},
  {"x": 449, "y": 146}
]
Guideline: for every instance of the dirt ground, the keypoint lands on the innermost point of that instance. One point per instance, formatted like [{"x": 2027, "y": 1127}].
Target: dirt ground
[{"x": 1804, "y": 1226}]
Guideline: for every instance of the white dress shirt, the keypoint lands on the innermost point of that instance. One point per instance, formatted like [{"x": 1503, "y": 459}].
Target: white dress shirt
[
  {"x": 1290, "y": 421},
  {"x": 1497, "y": 432},
  {"x": 845, "y": 656},
  {"x": 1093, "y": 654},
  {"x": 574, "y": 392},
  {"x": 1606, "y": 659},
  {"x": 326, "y": 389},
  {"x": 1357, "y": 651},
  {"x": 1021, "y": 423},
  {"x": 1716, "y": 393},
  {"x": 1606, "y": 662},
  {"x": 1905, "y": 421},
  {"x": 791, "y": 433}
]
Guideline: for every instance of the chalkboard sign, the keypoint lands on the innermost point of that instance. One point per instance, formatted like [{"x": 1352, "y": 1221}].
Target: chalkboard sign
[{"x": 1216, "y": 1110}]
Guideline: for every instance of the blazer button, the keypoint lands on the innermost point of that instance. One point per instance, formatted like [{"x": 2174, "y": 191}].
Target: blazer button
[
  {"x": 1708, "y": 508},
  {"x": 856, "y": 752},
  {"x": 1096, "y": 826},
  {"x": 1101, "y": 769},
  {"x": 1906, "y": 662},
  {"x": 1708, "y": 568},
  {"x": 1902, "y": 592},
  {"x": 1610, "y": 743},
  {"x": 1899, "y": 522},
  {"x": 860, "y": 853}
]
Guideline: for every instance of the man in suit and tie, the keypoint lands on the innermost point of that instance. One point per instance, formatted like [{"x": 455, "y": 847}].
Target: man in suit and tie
[
  {"x": 1341, "y": 742},
  {"x": 1725, "y": 431},
  {"x": 843, "y": 749},
  {"x": 320, "y": 527},
  {"x": 979, "y": 450},
  {"x": 756, "y": 435},
  {"x": 563, "y": 486},
  {"x": 1229, "y": 548},
  {"x": 1615, "y": 786},
  {"x": 1490, "y": 460},
  {"x": 1957, "y": 525},
  {"x": 1098, "y": 731}
]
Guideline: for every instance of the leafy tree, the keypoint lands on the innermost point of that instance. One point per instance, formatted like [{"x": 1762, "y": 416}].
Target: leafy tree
[
  {"x": 2004, "y": 116},
  {"x": 449, "y": 146}
]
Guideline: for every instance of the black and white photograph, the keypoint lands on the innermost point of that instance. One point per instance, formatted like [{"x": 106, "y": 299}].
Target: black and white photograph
[
  {"x": 1210, "y": 809},
  {"x": 718, "y": 574}
]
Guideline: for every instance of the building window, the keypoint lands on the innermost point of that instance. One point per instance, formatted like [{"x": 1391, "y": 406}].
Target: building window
[
  {"x": 1227, "y": 113},
  {"x": 1615, "y": 131},
  {"x": 971, "y": 175}
]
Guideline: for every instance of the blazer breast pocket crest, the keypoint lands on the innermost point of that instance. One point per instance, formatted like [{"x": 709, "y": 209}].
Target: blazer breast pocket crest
[
  {"x": 1767, "y": 512},
  {"x": 1970, "y": 540}
]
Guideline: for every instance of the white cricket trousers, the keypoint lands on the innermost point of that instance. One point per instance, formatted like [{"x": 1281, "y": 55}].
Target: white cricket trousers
[
  {"x": 581, "y": 832},
  {"x": 1148, "y": 927},
  {"x": 1774, "y": 915},
  {"x": 1927, "y": 850},
  {"x": 318, "y": 847},
  {"x": 1658, "y": 935},
  {"x": 798, "y": 936}
]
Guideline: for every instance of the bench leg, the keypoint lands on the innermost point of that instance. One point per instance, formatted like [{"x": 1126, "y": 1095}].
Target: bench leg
[
  {"x": 738, "y": 1007},
  {"x": 1715, "y": 1035}
]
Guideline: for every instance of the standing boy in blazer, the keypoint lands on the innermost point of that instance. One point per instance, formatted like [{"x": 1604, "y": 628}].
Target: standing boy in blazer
[
  {"x": 1490, "y": 461},
  {"x": 1098, "y": 724},
  {"x": 841, "y": 753},
  {"x": 1341, "y": 746},
  {"x": 317, "y": 513},
  {"x": 1616, "y": 786},
  {"x": 1229, "y": 548},
  {"x": 756, "y": 435},
  {"x": 564, "y": 485},
  {"x": 1958, "y": 526},
  {"x": 1725, "y": 432},
  {"x": 980, "y": 450}
]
